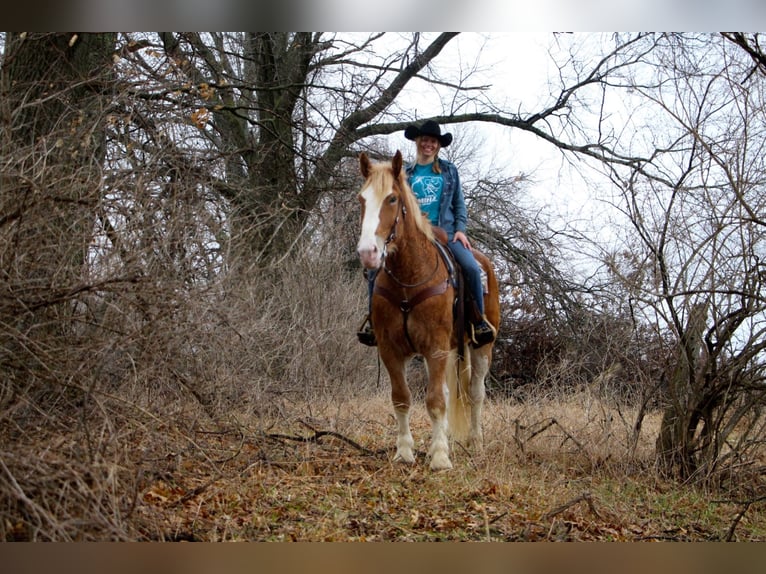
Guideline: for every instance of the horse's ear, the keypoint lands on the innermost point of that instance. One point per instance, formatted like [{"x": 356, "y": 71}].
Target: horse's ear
[
  {"x": 396, "y": 164},
  {"x": 364, "y": 164}
]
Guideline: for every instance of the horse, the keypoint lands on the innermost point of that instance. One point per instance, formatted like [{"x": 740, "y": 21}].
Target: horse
[{"x": 412, "y": 314}]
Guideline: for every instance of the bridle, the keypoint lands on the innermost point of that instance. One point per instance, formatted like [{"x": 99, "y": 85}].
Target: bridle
[{"x": 392, "y": 234}]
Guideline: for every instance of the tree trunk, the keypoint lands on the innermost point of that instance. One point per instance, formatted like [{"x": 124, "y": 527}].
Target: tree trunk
[
  {"x": 676, "y": 446},
  {"x": 53, "y": 91},
  {"x": 270, "y": 210}
]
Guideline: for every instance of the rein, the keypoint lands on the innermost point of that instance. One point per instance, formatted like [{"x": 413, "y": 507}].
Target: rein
[{"x": 413, "y": 285}]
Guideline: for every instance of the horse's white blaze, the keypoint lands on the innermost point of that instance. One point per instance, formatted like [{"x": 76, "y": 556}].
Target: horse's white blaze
[{"x": 371, "y": 245}]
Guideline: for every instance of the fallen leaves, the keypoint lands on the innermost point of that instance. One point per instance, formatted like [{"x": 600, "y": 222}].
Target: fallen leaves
[{"x": 297, "y": 481}]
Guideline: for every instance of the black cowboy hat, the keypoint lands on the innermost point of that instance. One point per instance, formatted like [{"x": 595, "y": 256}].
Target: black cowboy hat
[{"x": 429, "y": 128}]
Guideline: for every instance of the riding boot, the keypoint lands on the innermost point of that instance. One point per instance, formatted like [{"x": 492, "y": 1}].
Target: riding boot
[
  {"x": 365, "y": 334},
  {"x": 482, "y": 332}
]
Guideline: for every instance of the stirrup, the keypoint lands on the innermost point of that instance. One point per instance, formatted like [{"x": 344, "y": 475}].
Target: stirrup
[
  {"x": 485, "y": 334},
  {"x": 365, "y": 333}
]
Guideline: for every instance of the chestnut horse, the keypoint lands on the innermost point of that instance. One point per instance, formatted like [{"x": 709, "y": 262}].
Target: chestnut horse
[{"x": 412, "y": 314}]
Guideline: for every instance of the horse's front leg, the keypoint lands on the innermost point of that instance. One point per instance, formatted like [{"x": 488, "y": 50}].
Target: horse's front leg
[
  {"x": 401, "y": 399},
  {"x": 436, "y": 403}
]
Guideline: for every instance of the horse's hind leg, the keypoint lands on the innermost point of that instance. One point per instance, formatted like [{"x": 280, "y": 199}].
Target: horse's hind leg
[
  {"x": 480, "y": 360},
  {"x": 401, "y": 399}
]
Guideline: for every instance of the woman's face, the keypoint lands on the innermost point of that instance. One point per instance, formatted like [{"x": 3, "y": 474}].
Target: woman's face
[{"x": 428, "y": 146}]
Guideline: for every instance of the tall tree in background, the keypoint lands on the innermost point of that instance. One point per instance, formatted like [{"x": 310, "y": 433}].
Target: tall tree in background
[
  {"x": 280, "y": 112},
  {"x": 54, "y": 89},
  {"x": 284, "y": 117}
]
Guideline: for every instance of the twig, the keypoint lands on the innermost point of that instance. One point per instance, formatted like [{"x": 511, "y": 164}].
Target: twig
[
  {"x": 585, "y": 496},
  {"x": 516, "y": 428},
  {"x": 236, "y": 452},
  {"x": 319, "y": 434},
  {"x": 498, "y": 517},
  {"x": 468, "y": 454},
  {"x": 554, "y": 422},
  {"x": 193, "y": 493},
  {"x": 542, "y": 430},
  {"x": 746, "y": 504},
  {"x": 189, "y": 386}
]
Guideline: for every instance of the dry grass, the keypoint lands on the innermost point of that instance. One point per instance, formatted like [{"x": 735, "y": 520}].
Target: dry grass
[
  {"x": 553, "y": 470},
  {"x": 221, "y": 421}
]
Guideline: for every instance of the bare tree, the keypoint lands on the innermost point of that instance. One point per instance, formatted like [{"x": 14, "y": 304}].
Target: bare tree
[
  {"x": 697, "y": 275},
  {"x": 277, "y": 113},
  {"x": 56, "y": 90},
  {"x": 284, "y": 109}
]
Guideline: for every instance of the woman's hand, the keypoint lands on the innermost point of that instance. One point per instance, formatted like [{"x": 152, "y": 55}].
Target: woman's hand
[{"x": 461, "y": 237}]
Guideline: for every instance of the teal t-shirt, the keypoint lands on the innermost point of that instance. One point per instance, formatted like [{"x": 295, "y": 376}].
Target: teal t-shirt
[{"x": 427, "y": 187}]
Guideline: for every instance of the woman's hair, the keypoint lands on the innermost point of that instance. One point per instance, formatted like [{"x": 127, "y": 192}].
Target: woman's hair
[{"x": 436, "y": 167}]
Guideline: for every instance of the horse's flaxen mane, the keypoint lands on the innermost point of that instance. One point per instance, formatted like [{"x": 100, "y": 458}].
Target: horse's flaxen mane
[{"x": 382, "y": 178}]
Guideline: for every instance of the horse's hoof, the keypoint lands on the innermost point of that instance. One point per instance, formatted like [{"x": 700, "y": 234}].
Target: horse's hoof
[
  {"x": 404, "y": 457},
  {"x": 440, "y": 462},
  {"x": 476, "y": 445}
]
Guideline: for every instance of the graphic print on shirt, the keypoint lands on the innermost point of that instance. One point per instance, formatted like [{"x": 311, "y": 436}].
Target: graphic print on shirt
[{"x": 427, "y": 187}]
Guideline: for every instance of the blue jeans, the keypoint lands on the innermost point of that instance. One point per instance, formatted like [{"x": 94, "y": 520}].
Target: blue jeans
[
  {"x": 471, "y": 272},
  {"x": 469, "y": 265}
]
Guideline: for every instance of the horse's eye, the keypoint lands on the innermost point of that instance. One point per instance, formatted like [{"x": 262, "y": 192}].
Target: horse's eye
[{"x": 392, "y": 200}]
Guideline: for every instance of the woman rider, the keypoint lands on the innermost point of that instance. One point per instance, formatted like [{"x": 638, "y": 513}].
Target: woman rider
[{"x": 436, "y": 184}]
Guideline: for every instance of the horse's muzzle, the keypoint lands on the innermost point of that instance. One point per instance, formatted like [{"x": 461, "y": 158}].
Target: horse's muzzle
[{"x": 370, "y": 258}]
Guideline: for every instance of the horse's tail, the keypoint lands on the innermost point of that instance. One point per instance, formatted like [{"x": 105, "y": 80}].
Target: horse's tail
[{"x": 459, "y": 398}]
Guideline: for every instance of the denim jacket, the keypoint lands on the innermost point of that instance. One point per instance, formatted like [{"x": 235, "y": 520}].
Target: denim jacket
[{"x": 453, "y": 215}]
